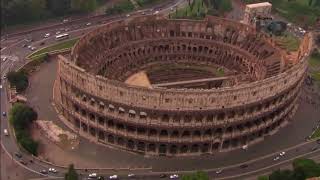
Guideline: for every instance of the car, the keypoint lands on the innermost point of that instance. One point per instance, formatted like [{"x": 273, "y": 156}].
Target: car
[
  {"x": 66, "y": 29},
  {"x": 128, "y": 15},
  {"x": 29, "y": 47},
  {"x": 33, "y": 48},
  {"x": 53, "y": 170},
  {"x": 219, "y": 171},
  {"x": 4, "y": 59},
  {"x": 42, "y": 43},
  {"x": 143, "y": 13},
  {"x": 276, "y": 158},
  {"x": 43, "y": 172},
  {"x": 243, "y": 166},
  {"x": 174, "y": 176},
  {"x": 100, "y": 178},
  {"x": 5, "y": 132},
  {"x": 47, "y": 35},
  {"x": 88, "y": 24},
  {"x": 58, "y": 32},
  {"x": 31, "y": 161},
  {"x": 0, "y": 86},
  {"x": 131, "y": 175},
  {"x": 113, "y": 176},
  {"x": 4, "y": 77},
  {"x": 18, "y": 155},
  {"x": 171, "y": 9},
  {"x": 4, "y": 113},
  {"x": 93, "y": 175},
  {"x": 282, "y": 153},
  {"x": 156, "y": 12},
  {"x": 163, "y": 176},
  {"x": 314, "y": 148},
  {"x": 65, "y": 20},
  {"x": 23, "y": 162},
  {"x": 245, "y": 147}
]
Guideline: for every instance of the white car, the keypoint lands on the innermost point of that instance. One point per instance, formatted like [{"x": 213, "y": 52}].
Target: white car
[
  {"x": 33, "y": 48},
  {"x": 174, "y": 176},
  {"x": 53, "y": 170},
  {"x": 113, "y": 177},
  {"x": 156, "y": 12},
  {"x": 47, "y": 35},
  {"x": 93, "y": 175},
  {"x": 0, "y": 86},
  {"x": 4, "y": 59},
  {"x": 128, "y": 15},
  {"x": 219, "y": 171},
  {"x": 58, "y": 32},
  {"x": 131, "y": 175},
  {"x": 276, "y": 158},
  {"x": 282, "y": 153},
  {"x": 65, "y": 20},
  {"x": 5, "y": 132},
  {"x": 88, "y": 24}
]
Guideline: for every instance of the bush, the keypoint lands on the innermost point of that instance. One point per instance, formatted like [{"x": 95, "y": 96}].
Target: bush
[
  {"x": 121, "y": 7},
  {"x": 19, "y": 80},
  {"x": 71, "y": 174}
]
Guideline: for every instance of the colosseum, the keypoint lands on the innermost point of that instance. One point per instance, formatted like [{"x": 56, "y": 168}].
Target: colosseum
[{"x": 159, "y": 86}]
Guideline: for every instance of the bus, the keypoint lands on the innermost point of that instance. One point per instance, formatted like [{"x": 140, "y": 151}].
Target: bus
[{"x": 62, "y": 37}]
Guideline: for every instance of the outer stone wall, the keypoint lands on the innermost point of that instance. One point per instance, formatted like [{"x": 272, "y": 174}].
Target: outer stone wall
[{"x": 177, "y": 121}]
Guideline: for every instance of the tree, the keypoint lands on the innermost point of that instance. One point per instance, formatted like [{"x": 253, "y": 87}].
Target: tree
[
  {"x": 200, "y": 175},
  {"x": 71, "y": 174},
  {"x": 60, "y": 7},
  {"x": 307, "y": 167},
  {"x": 83, "y": 5},
  {"x": 18, "y": 79},
  {"x": 21, "y": 116},
  {"x": 281, "y": 175}
]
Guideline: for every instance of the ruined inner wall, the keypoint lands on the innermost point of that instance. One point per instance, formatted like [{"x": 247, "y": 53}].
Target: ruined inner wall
[{"x": 177, "y": 121}]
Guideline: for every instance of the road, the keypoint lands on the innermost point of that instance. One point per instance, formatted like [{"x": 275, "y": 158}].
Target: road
[{"x": 15, "y": 53}]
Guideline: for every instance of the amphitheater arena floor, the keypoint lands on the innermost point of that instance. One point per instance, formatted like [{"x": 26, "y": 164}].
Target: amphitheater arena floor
[{"x": 40, "y": 97}]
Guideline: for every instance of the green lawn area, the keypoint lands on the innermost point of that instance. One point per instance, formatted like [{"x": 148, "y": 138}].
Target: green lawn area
[
  {"x": 316, "y": 134},
  {"x": 199, "y": 8},
  {"x": 314, "y": 60},
  {"x": 288, "y": 42},
  {"x": 58, "y": 46},
  {"x": 196, "y": 10}
]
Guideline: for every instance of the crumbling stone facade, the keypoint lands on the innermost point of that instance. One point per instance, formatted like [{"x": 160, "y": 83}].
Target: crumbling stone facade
[{"x": 91, "y": 94}]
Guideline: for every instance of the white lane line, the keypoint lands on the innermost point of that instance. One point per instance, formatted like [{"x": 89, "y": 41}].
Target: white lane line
[{"x": 13, "y": 44}]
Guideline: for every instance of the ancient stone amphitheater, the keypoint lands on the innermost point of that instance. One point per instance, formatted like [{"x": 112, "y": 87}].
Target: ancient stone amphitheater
[{"x": 206, "y": 86}]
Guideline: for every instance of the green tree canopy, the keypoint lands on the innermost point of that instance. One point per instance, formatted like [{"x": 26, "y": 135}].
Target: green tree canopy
[
  {"x": 18, "y": 79},
  {"x": 21, "y": 116},
  {"x": 71, "y": 174},
  {"x": 307, "y": 167}
]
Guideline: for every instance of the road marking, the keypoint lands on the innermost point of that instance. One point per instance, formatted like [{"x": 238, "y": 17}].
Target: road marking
[{"x": 13, "y": 44}]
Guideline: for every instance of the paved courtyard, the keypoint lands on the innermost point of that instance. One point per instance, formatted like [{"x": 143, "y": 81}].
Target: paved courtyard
[{"x": 89, "y": 154}]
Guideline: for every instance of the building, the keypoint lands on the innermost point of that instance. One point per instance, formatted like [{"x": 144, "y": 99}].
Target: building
[
  {"x": 256, "y": 11},
  {"x": 193, "y": 114}
]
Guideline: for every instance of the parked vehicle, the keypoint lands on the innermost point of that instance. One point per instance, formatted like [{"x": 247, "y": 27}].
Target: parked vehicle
[
  {"x": 282, "y": 153},
  {"x": 113, "y": 177},
  {"x": 18, "y": 155},
  {"x": 174, "y": 176}
]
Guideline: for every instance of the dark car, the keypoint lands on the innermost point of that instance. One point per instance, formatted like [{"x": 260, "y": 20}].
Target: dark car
[
  {"x": 23, "y": 162},
  {"x": 314, "y": 148},
  {"x": 244, "y": 166},
  {"x": 18, "y": 155},
  {"x": 43, "y": 172},
  {"x": 162, "y": 176}
]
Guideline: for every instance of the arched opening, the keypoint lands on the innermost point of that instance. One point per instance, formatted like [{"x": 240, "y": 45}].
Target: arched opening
[
  {"x": 195, "y": 148},
  {"x": 186, "y": 134},
  {"x": 152, "y": 147},
  {"x": 153, "y": 132},
  {"x": 175, "y": 134},
  {"x": 162, "y": 149},
  {"x": 120, "y": 141},
  {"x": 141, "y": 146},
  {"x": 101, "y": 135},
  {"x": 165, "y": 118},
  {"x": 92, "y": 131},
  {"x": 173, "y": 149},
  {"x": 130, "y": 144},
  {"x": 205, "y": 148},
  {"x": 196, "y": 134},
  {"x": 110, "y": 138},
  {"x": 164, "y": 133},
  {"x": 215, "y": 146},
  {"x": 184, "y": 149},
  {"x": 208, "y": 133},
  {"x": 110, "y": 123},
  {"x": 141, "y": 131}
]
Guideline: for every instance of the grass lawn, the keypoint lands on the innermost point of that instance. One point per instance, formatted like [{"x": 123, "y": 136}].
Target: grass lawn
[
  {"x": 196, "y": 10},
  {"x": 314, "y": 60},
  {"x": 316, "y": 134},
  {"x": 58, "y": 46},
  {"x": 288, "y": 42}
]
